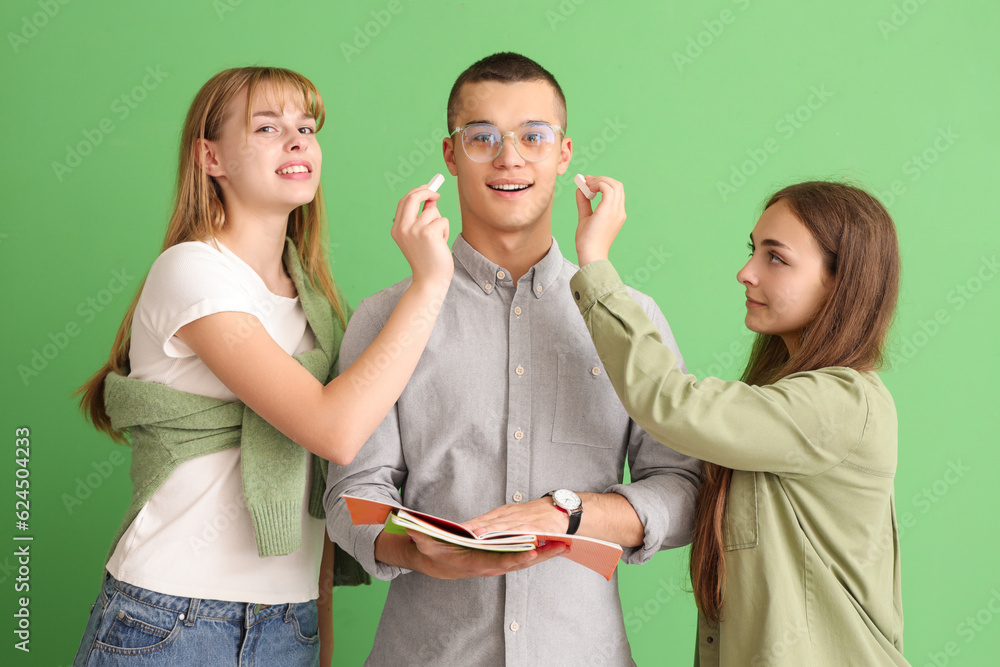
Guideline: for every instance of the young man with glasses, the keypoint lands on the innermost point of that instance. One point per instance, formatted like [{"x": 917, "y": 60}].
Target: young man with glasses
[{"x": 509, "y": 416}]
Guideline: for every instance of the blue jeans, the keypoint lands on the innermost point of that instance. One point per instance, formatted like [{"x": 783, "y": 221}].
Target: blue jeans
[{"x": 133, "y": 626}]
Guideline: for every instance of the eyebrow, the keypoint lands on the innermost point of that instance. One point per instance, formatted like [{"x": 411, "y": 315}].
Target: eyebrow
[
  {"x": 527, "y": 122},
  {"x": 275, "y": 114},
  {"x": 771, "y": 243}
]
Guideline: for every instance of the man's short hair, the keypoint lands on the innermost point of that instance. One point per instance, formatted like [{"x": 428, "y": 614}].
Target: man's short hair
[{"x": 504, "y": 67}]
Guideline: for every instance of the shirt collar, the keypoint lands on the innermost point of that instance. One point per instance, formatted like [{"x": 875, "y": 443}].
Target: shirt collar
[{"x": 488, "y": 275}]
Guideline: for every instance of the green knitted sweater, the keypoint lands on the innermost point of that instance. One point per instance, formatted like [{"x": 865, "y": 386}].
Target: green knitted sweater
[{"x": 168, "y": 427}]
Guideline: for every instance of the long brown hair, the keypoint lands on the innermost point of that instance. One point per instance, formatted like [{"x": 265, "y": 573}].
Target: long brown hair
[
  {"x": 199, "y": 212},
  {"x": 861, "y": 255}
]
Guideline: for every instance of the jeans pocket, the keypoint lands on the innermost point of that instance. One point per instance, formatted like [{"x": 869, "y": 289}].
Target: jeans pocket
[
  {"x": 304, "y": 618},
  {"x": 133, "y": 626}
]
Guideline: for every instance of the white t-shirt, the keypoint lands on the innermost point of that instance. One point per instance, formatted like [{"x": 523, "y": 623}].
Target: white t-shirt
[{"x": 194, "y": 538}]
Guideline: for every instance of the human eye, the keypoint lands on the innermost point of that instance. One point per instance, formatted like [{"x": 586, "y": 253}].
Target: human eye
[
  {"x": 481, "y": 135},
  {"x": 774, "y": 259},
  {"x": 536, "y": 134},
  {"x": 750, "y": 248},
  {"x": 267, "y": 129},
  {"x": 307, "y": 129}
]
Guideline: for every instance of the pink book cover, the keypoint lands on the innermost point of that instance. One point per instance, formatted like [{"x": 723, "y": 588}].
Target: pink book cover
[{"x": 600, "y": 556}]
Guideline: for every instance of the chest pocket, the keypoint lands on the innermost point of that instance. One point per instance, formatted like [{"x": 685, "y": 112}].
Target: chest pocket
[
  {"x": 588, "y": 411},
  {"x": 740, "y": 527}
]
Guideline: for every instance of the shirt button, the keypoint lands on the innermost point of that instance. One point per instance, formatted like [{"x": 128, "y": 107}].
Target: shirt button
[
  {"x": 517, "y": 310},
  {"x": 517, "y": 498},
  {"x": 519, "y": 370},
  {"x": 487, "y": 287},
  {"x": 501, "y": 275},
  {"x": 710, "y": 640},
  {"x": 181, "y": 616},
  {"x": 514, "y": 626},
  {"x": 595, "y": 371},
  {"x": 538, "y": 289},
  {"x": 518, "y": 434},
  {"x": 577, "y": 295}
]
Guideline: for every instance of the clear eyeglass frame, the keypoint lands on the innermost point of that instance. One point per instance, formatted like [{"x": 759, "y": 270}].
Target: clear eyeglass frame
[{"x": 500, "y": 137}]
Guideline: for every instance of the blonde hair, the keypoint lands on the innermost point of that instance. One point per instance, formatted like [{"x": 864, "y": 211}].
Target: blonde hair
[{"x": 199, "y": 212}]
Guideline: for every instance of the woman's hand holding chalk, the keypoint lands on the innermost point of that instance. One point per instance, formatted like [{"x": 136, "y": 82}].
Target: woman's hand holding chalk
[
  {"x": 435, "y": 183},
  {"x": 598, "y": 227},
  {"x": 581, "y": 183}
]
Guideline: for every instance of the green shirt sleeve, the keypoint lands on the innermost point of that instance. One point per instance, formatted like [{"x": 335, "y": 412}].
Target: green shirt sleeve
[{"x": 801, "y": 425}]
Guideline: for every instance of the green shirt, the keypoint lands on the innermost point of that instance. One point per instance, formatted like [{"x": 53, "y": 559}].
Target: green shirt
[{"x": 811, "y": 544}]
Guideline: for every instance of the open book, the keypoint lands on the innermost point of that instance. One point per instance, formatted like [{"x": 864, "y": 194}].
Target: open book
[{"x": 598, "y": 555}]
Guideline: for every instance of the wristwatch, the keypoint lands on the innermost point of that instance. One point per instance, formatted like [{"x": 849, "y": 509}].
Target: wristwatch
[{"x": 568, "y": 502}]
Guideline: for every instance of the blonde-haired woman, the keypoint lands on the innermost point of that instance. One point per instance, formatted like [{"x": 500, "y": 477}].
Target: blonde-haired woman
[{"x": 223, "y": 374}]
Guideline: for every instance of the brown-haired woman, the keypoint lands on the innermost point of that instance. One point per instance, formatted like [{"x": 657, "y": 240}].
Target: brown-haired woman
[
  {"x": 796, "y": 555},
  {"x": 224, "y": 376}
]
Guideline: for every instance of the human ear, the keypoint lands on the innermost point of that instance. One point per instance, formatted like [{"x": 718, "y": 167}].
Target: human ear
[
  {"x": 565, "y": 155},
  {"x": 448, "y": 148},
  {"x": 206, "y": 154}
]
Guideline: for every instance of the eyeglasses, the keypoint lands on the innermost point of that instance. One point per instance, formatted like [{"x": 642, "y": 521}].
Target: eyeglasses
[{"x": 532, "y": 141}]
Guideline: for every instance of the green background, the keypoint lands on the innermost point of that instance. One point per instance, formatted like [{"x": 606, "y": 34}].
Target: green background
[{"x": 688, "y": 96}]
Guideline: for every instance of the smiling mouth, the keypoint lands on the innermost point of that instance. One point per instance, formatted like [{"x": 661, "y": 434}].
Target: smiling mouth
[
  {"x": 294, "y": 169},
  {"x": 509, "y": 187}
]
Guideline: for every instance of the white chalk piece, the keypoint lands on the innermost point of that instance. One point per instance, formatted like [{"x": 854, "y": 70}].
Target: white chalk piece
[
  {"x": 436, "y": 182},
  {"x": 581, "y": 183}
]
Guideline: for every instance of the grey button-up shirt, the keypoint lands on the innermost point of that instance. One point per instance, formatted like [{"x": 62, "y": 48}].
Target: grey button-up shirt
[{"x": 509, "y": 401}]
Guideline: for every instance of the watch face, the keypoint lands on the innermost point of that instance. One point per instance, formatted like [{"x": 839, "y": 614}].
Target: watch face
[{"x": 566, "y": 499}]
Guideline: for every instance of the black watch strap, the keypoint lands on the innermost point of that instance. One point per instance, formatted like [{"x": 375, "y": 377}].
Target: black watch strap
[
  {"x": 574, "y": 515},
  {"x": 574, "y": 521}
]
